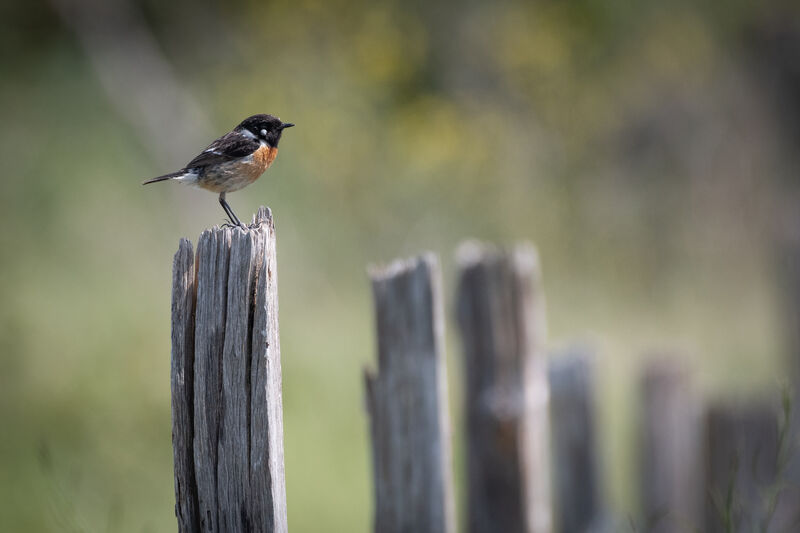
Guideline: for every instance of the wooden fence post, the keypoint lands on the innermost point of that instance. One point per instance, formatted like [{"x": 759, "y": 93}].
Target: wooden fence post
[
  {"x": 407, "y": 401},
  {"x": 227, "y": 416},
  {"x": 670, "y": 450},
  {"x": 788, "y": 260},
  {"x": 500, "y": 309},
  {"x": 182, "y": 377},
  {"x": 788, "y": 252},
  {"x": 576, "y": 476},
  {"x": 742, "y": 466}
]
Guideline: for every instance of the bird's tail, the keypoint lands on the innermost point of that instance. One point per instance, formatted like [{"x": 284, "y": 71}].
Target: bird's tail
[{"x": 165, "y": 177}]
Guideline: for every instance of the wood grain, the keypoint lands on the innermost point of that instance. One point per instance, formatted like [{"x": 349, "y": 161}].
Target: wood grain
[
  {"x": 500, "y": 309},
  {"x": 742, "y": 458},
  {"x": 407, "y": 402},
  {"x": 576, "y": 472},
  {"x": 182, "y": 378},
  {"x": 671, "y": 449},
  {"x": 226, "y": 384}
]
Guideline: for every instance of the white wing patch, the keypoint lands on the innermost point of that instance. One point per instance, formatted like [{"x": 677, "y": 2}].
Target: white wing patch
[{"x": 189, "y": 178}]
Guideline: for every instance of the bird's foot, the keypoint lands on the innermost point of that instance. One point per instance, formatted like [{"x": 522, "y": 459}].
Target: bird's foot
[{"x": 237, "y": 224}]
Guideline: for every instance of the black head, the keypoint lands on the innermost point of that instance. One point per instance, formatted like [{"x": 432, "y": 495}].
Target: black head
[{"x": 265, "y": 128}]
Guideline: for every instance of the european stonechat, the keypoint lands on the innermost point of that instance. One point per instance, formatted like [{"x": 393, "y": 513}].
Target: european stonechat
[{"x": 233, "y": 161}]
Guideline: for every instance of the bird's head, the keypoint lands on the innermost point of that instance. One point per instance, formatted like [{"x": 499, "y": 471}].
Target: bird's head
[{"x": 265, "y": 128}]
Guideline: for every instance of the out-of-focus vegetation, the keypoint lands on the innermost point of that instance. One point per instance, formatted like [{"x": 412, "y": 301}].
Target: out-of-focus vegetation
[{"x": 649, "y": 149}]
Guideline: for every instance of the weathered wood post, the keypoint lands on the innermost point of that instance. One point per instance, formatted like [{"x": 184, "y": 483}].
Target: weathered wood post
[
  {"x": 670, "y": 450},
  {"x": 227, "y": 416},
  {"x": 742, "y": 467},
  {"x": 788, "y": 259},
  {"x": 407, "y": 402},
  {"x": 500, "y": 308},
  {"x": 576, "y": 472}
]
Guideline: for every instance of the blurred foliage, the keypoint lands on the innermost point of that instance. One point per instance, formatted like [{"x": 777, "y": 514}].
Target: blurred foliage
[{"x": 641, "y": 146}]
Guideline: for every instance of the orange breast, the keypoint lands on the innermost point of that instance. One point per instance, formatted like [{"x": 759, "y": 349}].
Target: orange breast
[
  {"x": 264, "y": 156},
  {"x": 235, "y": 175}
]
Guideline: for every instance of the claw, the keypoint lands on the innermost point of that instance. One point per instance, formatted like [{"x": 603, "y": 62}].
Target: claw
[{"x": 230, "y": 224}]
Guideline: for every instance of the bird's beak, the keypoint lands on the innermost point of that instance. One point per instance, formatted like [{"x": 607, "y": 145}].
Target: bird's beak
[{"x": 286, "y": 125}]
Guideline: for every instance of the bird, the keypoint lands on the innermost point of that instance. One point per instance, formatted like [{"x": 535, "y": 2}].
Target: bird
[{"x": 233, "y": 161}]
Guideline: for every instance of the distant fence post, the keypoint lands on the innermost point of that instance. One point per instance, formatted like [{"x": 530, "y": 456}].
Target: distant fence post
[
  {"x": 741, "y": 468},
  {"x": 227, "y": 416},
  {"x": 788, "y": 259},
  {"x": 576, "y": 472},
  {"x": 671, "y": 474},
  {"x": 500, "y": 309},
  {"x": 407, "y": 402},
  {"x": 788, "y": 252}
]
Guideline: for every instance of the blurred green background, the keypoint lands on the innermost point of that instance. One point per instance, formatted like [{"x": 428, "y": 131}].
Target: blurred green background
[{"x": 649, "y": 150}]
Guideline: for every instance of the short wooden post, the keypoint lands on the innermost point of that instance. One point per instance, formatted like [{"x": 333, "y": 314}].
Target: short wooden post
[
  {"x": 500, "y": 309},
  {"x": 788, "y": 252},
  {"x": 788, "y": 260},
  {"x": 670, "y": 450},
  {"x": 407, "y": 401},
  {"x": 741, "y": 469},
  {"x": 182, "y": 377},
  {"x": 227, "y": 420},
  {"x": 576, "y": 476}
]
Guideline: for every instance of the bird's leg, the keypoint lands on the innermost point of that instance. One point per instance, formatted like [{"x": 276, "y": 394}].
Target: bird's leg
[
  {"x": 228, "y": 211},
  {"x": 229, "y": 221}
]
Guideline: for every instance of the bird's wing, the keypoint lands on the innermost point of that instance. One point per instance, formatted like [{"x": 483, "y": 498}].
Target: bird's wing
[{"x": 230, "y": 146}]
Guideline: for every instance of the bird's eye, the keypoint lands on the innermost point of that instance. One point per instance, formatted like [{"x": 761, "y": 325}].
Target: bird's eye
[{"x": 263, "y": 133}]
